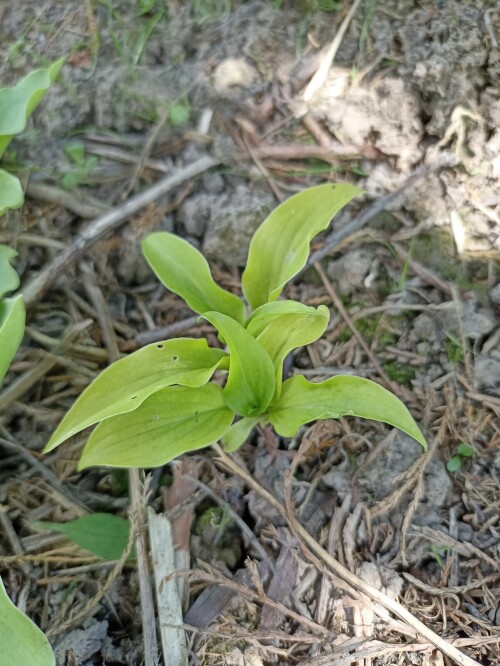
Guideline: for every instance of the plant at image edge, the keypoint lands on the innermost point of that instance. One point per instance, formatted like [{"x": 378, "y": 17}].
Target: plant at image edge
[
  {"x": 159, "y": 402},
  {"x": 17, "y": 103},
  {"x": 21, "y": 640}
]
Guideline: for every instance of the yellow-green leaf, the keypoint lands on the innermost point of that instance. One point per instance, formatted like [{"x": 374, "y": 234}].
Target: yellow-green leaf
[
  {"x": 280, "y": 246},
  {"x": 9, "y": 279},
  {"x": 279, "y": 334},
  {"x": 12, "y": 319},
  {"x": 302, "y": 401},
  {"x": 11, "y": 193},
  {"x": 170, "y": 422},
  {"x": 250, "y": 384},
  {"x": 265, "y": 314},
  {"x": 185, "y": 271},
  {"x": 18, "y": 102},
  {"x": 239, "y": 432},
  {"x": 22, "y": 642},
  {"x": 124, "y": 385}
]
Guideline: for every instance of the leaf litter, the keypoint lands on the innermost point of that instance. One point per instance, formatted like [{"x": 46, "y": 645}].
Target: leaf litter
[{"x": 424, "y": 314}]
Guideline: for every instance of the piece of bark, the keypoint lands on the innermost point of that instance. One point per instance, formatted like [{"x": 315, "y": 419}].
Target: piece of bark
[
  {"x": 281, "y": 585},
  {"x": 173, "y": 638},
  {"x": 215, "y": 598}
]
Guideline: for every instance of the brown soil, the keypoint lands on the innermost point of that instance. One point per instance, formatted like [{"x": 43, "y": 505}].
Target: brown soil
[{"x": 148, "y": 89}]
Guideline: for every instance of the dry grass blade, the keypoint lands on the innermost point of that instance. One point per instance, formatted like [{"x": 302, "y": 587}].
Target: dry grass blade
[
  {"x": 138, "y": 493},
  {"x": 462, "y": 547},
  {"x": 321, "y": 554},
  {"x": 322, "y": 72},
  {"x": 346, "y": 653},
  {"x": 344, "y": 314},
  {"x": 245, "y": 530},
  {"x": 84, "y": 206},
  {"x": 65, "y": 496},
  {"x": 108, "y": 222},
  {"x": 20, "y": 385},
  {"x": 457, "y": 589},
  {"x": 367, "y": 215}
]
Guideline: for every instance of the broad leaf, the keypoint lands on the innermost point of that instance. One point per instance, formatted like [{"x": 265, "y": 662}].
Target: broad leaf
[
  {"x": 185, "y": 271},
  {"x": 21, "y": 640},
  {"x": 302, "y": 401},
  {"x": 170, "y": 422},
  {"x": 454, "y": 464},
  {"x": 289, "y": 331},
  {"x": 12, "y": 319},
  {"x": 103, "y": 534},
  {"x": 239, "y": 432},
  {"x": 280, "y": 246},
  {"x": 9, "y": 279},
  {"x": 465, "y": 450},
  {"x": 127, "y": 383},
  {"x": 18, "y": 102},
  {"x": 11, "y": 193},
  {"x": 250, "y": 384},
  {"x": 265, "y": 314}
]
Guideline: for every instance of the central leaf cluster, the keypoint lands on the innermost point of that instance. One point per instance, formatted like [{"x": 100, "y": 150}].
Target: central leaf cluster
[{"x": 159, "y": 402}]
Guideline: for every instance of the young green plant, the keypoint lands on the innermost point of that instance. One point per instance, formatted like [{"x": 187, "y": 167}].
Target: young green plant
[
  {"x": 463, "y": 452},
  {"x": 17, "y": 103},
  {"x": 21, "y": 640},
  {"x": 160, "y": 402}
]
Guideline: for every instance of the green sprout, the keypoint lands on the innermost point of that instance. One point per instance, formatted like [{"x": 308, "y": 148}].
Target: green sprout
[
  {"x": 463, "y": 451},
  {"x": 160, "y": 402}
]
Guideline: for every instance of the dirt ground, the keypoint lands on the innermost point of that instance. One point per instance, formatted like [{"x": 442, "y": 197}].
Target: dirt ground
[{"x": 409, "y": 111}]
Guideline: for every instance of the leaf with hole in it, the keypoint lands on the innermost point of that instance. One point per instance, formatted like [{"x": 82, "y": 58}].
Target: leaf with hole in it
[
  {"x": 185, "y": 271},
  {"x": 302, "y": 401},
  {"x": 103, "y": 534},
  {"x": 170, "y": 422},
  {"x": 12, "y": 319},
  {"x": 127, "y": 383},
  {"x": 18, "y": 102},
  {"x": 280, "y": 246},
  {"x": 22, "y": 641},
  {"x": 11, "y": 194},
  {"x": 282, "y": 333},
  {"x": 250, "y": 383}
]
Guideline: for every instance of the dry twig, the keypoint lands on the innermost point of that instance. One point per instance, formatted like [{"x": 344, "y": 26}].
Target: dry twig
[
  {"x": 108, "y": 222},
  {"x": 319, "y": 553},
  {"x": 326, "y": 61},
  {"x": 137, "y": 510}
]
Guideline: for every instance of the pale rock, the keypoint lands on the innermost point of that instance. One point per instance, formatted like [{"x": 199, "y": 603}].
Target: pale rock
[
  {"x": 474, "y": 322},
  {"x": 233, "y": 72},
  {"x": 425, "y": 328},
  {"x": 487, "y": 373},
  {"x": 232, "y": 220},
  {"x": 495, "y": 294},
  {"x": 349, "y": 272}
]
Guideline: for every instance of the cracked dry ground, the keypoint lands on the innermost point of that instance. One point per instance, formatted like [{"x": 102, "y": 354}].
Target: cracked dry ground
[{"x": 410, "y": 112}]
